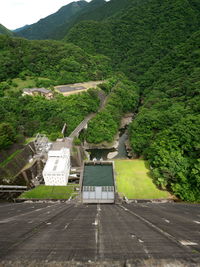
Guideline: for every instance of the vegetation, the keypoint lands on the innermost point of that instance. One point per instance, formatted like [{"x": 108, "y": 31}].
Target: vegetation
[
  {"x": 26, "y": 115},
  {"x": 123, "y": 97},
  {"x": 156, "y": 45},
  {"x": 5, "y": 31},
  {"x": 44, "y": 28},
  {"x": 51, "y": 192},
  {"x": 59, "y": 62},
  {"x": 166, "y": 130},
  {"x": 140, "y": 34},
  {"x": 134, "y": 180},
  {"x": 57, "y": 25}
]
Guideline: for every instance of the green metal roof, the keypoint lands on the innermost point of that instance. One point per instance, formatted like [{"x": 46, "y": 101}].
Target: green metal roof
[{"x": 98, "y": 175}]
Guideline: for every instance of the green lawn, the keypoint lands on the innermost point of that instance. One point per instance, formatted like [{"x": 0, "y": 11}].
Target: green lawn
[
  {"x": 51, "y": 192},
  {"x": 134, "y": 182},
  {"x": 21, "y": 84}
]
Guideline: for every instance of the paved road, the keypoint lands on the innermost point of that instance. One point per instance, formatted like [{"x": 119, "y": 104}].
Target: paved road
[
  {"x": 68, "y": 232},
  {"x": 81, "y": 126}
]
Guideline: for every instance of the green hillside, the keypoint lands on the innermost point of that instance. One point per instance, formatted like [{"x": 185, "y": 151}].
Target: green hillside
[
  {"x": 96, "y": 10},
  {"x": 166, "y": 129},
  {"x": 152, "y": 42},
  {"x": 60, "y": 62},
  {"x": 57, "y": 25},
  {"x": 156, "y": 44},
  {"x": 140, "y": 35},
  {"x": 5, "y": 31},
  {"x": 44, "y": 28}
]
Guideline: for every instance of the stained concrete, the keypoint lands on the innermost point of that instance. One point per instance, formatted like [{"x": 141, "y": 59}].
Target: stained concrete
[{"x": 121, "y": 235}]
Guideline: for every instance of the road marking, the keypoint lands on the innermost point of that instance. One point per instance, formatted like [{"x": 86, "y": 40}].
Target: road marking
[
  {"x": 158, "y": 229},
  {"x": 16, "y": 217},
  {"x": 188, "y": 243},
  {"x": 95, "y": 223},
  {"x": 66, "y": 226},
  {"x": 196, "y": 222}
]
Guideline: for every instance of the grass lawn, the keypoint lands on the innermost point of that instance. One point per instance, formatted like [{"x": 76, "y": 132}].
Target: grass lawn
[
  {"x": 21, "y": 84},
  {"x": 133, "y": 180},
  {"x": 50, "y": 192}
]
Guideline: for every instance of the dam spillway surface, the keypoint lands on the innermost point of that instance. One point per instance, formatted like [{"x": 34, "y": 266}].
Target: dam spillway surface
[{"x": 65, "y": 232}]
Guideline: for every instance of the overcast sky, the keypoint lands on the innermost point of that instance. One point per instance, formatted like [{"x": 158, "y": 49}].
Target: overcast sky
[{"x": 17, "y": 13}]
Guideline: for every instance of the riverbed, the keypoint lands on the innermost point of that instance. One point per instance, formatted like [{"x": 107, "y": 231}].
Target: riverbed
[{"x": 112, "y": 153}]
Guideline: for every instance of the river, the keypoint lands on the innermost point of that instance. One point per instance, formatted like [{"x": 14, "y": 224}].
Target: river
[{"x": 112, "y": 153}]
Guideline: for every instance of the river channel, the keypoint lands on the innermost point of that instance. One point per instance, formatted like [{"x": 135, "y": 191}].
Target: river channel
[{"x": 112, "y": 153}]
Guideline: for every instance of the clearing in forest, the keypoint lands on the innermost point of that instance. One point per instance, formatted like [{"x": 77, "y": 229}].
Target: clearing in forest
[{"x": 134, "y": 181}]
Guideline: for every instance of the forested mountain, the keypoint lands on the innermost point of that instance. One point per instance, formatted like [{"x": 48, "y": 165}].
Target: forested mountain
[
  {"x": 44, "y": 28},
  {"x": 167, "y": 128},
  {"x": 58, "y": 61},
  {"x": 57, "y": 25},
  {"x": 21, "y": 28},
  {"x": 140, "y": 35},
  {"x": 155, "y": 43},
  {"x": 96, "y": 10},
  {"x": 4, "y": 30}
]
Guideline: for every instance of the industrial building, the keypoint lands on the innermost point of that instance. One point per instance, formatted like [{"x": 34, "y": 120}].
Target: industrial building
[
  {"x": 38, "y": 91},
  {"x": 57, "y": 168},
  {"x": 98, "y": 185}
]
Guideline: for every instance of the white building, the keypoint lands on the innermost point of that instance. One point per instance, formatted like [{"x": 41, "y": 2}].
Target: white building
[{"x": 57, "y": 168}]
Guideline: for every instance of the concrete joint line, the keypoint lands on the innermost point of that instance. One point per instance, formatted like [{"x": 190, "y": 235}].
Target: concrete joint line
[{"x": 169, "y": 236}]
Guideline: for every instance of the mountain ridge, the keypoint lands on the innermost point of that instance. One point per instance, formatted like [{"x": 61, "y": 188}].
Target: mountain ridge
[
  {"x": 45, "y": 26},
  {"x": 5, "y": 31}
]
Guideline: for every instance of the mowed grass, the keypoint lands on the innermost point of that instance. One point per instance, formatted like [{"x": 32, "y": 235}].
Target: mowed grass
[
  {"x": 134, "y": 181},
  {"x": 21, "y": 84},
  {"x": 50, "y": 192}
]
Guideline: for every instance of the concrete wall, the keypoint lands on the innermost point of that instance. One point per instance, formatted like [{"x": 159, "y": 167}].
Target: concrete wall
[
  {"x": 13, "y": 167},
  {"x": 98, "y": 194}
]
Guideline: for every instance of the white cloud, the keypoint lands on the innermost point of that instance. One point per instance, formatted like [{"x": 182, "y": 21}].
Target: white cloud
[{"x": 17, "y": 13}]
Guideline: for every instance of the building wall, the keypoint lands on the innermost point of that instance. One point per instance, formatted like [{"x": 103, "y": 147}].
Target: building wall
[
  {"x": 57, "y": 168},
  {"x": 98, "y": 194}
]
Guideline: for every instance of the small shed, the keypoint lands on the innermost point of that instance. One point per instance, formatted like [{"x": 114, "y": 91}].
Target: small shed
[{"x": 98, "y": 185}]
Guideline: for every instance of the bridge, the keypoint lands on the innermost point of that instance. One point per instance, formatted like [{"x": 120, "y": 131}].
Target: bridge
[
  {"x": 81, "y": 126},
  {"x": 103, "y": 98}
]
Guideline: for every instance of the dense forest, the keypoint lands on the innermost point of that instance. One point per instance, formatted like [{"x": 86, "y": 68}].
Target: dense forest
[
  {"x": 151, "y": 50},
  {"x": 140, "y": 35},
  {"x": 167, "y": 128},
  {"x": 57, "y": 25},
  {"x": 156, "y": 44},
  {"x": 123, "y": 97},
  {"x": 26, "y": 116},
  {"x": 57, "y": 61},
  {"x": 5, "y": 31}
]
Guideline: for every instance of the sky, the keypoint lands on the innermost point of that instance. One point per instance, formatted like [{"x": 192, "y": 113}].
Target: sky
[{"x": 17, "y": 13}]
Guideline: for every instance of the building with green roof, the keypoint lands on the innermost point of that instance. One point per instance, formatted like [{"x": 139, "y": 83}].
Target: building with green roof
[{"x": 98, "y": 185}]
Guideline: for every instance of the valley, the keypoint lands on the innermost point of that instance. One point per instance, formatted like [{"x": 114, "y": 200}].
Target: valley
[{"x": 100, "y": 136}]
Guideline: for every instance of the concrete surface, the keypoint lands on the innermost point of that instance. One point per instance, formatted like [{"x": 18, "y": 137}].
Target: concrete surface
[{"x": 58, "y": 234}]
